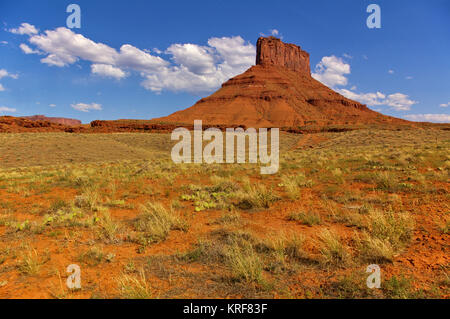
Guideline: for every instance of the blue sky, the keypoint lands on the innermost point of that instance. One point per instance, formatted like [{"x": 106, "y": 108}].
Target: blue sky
[{"x": 145, "y": 59}]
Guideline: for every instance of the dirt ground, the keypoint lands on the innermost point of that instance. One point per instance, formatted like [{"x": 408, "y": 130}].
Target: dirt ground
[{"x": 140, "y": 226}]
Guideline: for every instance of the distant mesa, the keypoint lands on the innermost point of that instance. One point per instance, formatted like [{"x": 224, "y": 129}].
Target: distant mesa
[
  {"x": 277, "y": 92},
  {"x": 57, "y": 120},
  {"x": 38, "y": 123}
]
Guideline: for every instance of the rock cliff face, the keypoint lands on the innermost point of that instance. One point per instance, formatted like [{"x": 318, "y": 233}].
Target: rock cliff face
[
  {"x": 277, "y": 92},
  {"x": 272, "y": 51},
  {"x": 57, "y": 120}
]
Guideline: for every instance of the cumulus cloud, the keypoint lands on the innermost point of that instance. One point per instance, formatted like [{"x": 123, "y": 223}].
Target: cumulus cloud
[
  {"x": 331, "y": 71},
  {"x": 398, "y": 101},
  {"x": 4, "y": 74},
  {"x": 83, "y": 107},
  {"x": 4, "y": 109},
  {"x": 445, "y": 104},
  {"x": 107, "y": 70},
  {"x": 371, "y": 99},
  {"x": 194, "y": 58},
  {"x": 437, "y": 118},
  {"x": 234, "y": 51},
  {"x": 25, "y": 28},
  {"x": 52, "y": 105},
  {"x": 66, "y": 47},
  {"x": 27, "y": 50},
  {"x": 231, "y": 56},
  {"x": 192, "y": 67}
]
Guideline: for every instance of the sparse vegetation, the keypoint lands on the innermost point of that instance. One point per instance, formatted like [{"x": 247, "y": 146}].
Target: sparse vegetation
[{"x": 115, "y": 204}]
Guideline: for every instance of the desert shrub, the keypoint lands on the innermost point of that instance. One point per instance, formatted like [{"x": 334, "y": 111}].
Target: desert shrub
[
  {"x": 211, "y": 197},
  {"x": 293, "y": 183},
  {"x": 90, "y": 199},
  {"x": 229, "y": 217},
  {"x": 385, "y": 234},
  {"x": 31, "y": 262},
  {"x": 107, "y": 227},
  {"x": 92, "y": 256},
  {"x": 155, "y": 222},
  {"x": 134, "y": 287},
  {"x": 309, "y": 219},
  {"x": 399, "y": 288},
  {"x": 332, "y": 250},
  {"x": 244, "y": 262},
  {"x": 352, "y": 286},
  {"x": 394, "y": 227},
  {"x": 386, "y": 181},
  {"x": 374, "y": 249},
  {"x": 256, "y": 196}
]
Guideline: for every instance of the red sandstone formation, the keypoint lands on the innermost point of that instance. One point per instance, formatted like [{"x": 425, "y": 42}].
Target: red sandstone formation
[
  {"x": 10, "y": 124},
  {"x": 57, "y": 120},
  {"x": 278, "y": 92},
  {"x": 272, "y": 51}
]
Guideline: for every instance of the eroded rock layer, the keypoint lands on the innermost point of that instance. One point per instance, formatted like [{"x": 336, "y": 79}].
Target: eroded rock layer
[{"x": 277, "y": 92}]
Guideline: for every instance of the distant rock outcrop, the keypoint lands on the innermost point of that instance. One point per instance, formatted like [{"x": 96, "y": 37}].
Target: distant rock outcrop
[
  {"x": 278, "y": 92},
  {"x": 57, "y": 120},
  {"x": 272, "y": 51}
]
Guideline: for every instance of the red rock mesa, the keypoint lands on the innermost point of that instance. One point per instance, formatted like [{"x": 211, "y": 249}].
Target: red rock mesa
[{"x": 277, "y": 92}]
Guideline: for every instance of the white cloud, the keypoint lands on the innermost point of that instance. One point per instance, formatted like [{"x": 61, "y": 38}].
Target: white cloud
[
  {"x": 445, "y": 104},
  {"x": 234, "y": 52},
  {"x": 347, "y": 56},
  {"x": 398, "y": 101},
  {"x": 66, "y": 47},
  {"x": 409, "y": 78},
  {"x": 4, "y": 74},
  {"x": 331, "y": 71},
  {"x": 108, "y": 71},
  {"x": 83, "y": 107},
  {"x": 52, "y": 105},
  {"x": 274, "y": 32},
  {"x": 25, "y": 28},
  {"x": 194, "y": 68},
  {"x": 391, "y": 71},
  {"x": 4, "y": 109},
  {"x": 222, "y": 59},
  {"x": 371, "y": 99},
  {"x": 4, "y": 42},
  {"x": 136, "y": 59},
  {"x": 437, "y": 118},
  {"x": 196, "y": 59},
  {"x": 27, "y": 50}
]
